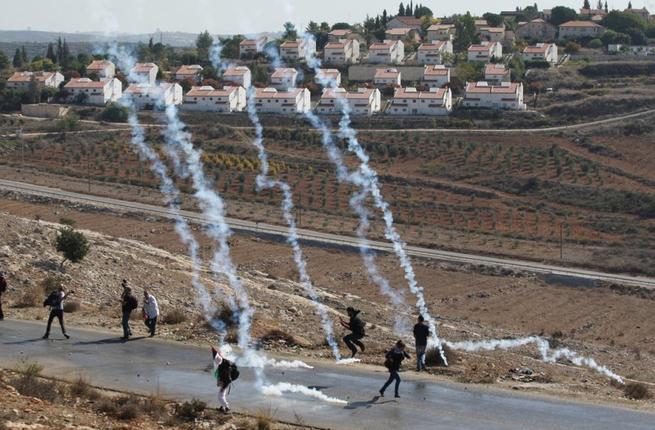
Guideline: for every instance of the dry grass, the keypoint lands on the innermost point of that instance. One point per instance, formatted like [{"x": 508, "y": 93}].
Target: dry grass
[
  {"x": 72, "y": 306},
  {"x": 190, "y": 411},
  {"x": 175, "y": 316},
  {"x": 433, "y": 358},
  {"x": 30, "y": 298},
  {"x": 636, "y": 391},
  {"x": 32, "y": 386},
  {"x": 277, "y": 335},
  {"x": 81, "y": 388}
]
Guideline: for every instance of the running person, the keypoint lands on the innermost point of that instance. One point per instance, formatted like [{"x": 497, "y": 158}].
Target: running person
[
  {"x": 356, "y": 326},
  {"x": 394, "y": 358}
]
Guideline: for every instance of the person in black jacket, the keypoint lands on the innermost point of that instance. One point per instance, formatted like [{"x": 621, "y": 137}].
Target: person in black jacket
[
  {"x": 356, "y": 326},
  {"x": 128, "y": 304},
  {"x": 222, "y": 373},
  {"x": 56, "y": 302},
  {"x": 3, "y": 289},
  {"x": 421, "y": 333},
  {"x": 394, "y": 358}
]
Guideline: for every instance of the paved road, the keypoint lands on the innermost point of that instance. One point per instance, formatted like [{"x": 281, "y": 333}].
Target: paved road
[
  {"x": 327, "y": 238},
  {"x": 582, "y": 125},
  {"x": 179, "y": 371}
]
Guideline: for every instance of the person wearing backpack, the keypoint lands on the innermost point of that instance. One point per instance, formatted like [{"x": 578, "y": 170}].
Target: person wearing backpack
[
  {"x": 393, "y": 360},
  {"x": 56, "y": 302},
  {"x": 356, "y": 326},
  {"x": 421, "y": 333},
  {"x": 225, "y": 372},
  {"x": 128, "y": 304},
  {"x": 150, "y": 311},
  {"x": 3, "y": 289}
]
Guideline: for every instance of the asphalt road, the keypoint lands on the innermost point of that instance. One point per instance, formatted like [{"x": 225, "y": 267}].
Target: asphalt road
[
  {"x": 333, "y": 239},
  {"x": 179, "y": 371}
]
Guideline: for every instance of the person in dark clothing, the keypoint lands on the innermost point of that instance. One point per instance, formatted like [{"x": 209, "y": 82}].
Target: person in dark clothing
[
  {"x": 394, "y": 358},
  {"x": 128, "y": 304},
  {"x": 56, "y": 302},
  {"x": 421, "y": 333},
  {"x": 222, "y": 373},
  {"x": 356, "y": 326},
  {"x": 3, "y": 289}
]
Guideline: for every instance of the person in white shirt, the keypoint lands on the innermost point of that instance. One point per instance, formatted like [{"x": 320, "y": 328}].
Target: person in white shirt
[
  {"x": 150, "y": 311},
  {"x": 56, "y": 302}
]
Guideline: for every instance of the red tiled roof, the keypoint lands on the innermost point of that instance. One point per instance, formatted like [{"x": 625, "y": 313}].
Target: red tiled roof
[
  {"x": 436, "y": 70},
  {"x": 192, "y": 69},
  {"x": 209, "y": 91},
  {"x": 495, "y": 69},
  {"x": 340, "y": 33},
  {"x": 537, "y": 49},
  {"x": 143, "y": 67},
  {"x": 328, "y": 73},
  {"x": 86, "y": 83},
  {"x": 236, "y": 71},
  {"x": 148, "y": 89},
  {"x": 284, "y": 73},
  {"x": 411, "y": 93},
  {"x": 399, "y": 31},
  {"x": 438, "y": 27},
  {"x": 99, "y": 65},
  {"x": 474, "y": 87},
  {"x": 436, "y": 45},
  {"x": 588, "y": 24},
  {"x": 409, "y": 20},
  {"x": 387, "y": 44},
  {"x": 27, "y": 76},
  {"x": 338, "y": 45},
  {"x": 290, "y": 44},
  {"x": 331, "y": 93},
  {"x": 481, "y": 48},
  {"x": 386, "y": 74},
  {"x": 272, "y": 93}
]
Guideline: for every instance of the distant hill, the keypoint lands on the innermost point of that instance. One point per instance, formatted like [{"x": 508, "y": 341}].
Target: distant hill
[{"x": 176, "y": 38}]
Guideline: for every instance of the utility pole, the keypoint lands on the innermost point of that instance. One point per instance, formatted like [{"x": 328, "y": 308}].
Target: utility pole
[
  {"x": 88, "y": 164},
  {"x": 561, "y": 241}
]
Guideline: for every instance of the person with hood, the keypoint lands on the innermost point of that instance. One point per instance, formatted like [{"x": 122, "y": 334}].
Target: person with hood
[
  {"x": 56, "y": 302},
  {"x": 150, "y": 311},
  {"x": 421, "y": 333},
  {"x": 393, "y": 360},
  {"x": 356, "y": 326},
  {"x": 3, "y": 289},
  {"x": 223, "y": 374},
  {"x": 128, "y": 304}
]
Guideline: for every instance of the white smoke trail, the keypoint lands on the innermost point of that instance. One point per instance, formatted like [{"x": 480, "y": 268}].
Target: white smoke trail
[
  {"x": 346, "y": 361},
  {"x": 285, "y": 387},
  {"x": 169, "y": 190},
  {"x": 213, "y": 208},
  {"x": 368, "y": 182},
  {"x": 260, "y": 361},
  {"x": 264, "y": 182},
  {"x": 357, "y": 203},
  {"x": 548, "y": 354}
]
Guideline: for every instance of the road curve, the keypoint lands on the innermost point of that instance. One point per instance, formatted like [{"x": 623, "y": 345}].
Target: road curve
[
  {"x": 333, "y": 239},
  {"x": 179, "y": 371}
]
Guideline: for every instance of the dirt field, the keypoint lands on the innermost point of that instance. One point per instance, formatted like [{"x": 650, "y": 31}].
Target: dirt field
[{"x": 612, "y": 325}]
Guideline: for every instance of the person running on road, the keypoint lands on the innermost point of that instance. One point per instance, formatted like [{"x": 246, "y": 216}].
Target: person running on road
[
  {"x": 56, "y": 302},
  {"x": 356, "y": 326},
  {"x": 3, "y": 289},
  {"x": 223, "y": 375},
  {"x": 128, "y": 304},
  {"x": 394, "y": 358},
  {"x": 150, "y": 311},
  {"x": 421, "y": 333}
]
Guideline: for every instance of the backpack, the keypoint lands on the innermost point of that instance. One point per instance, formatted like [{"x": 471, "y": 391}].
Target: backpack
[
  {"x": 357, "y": 327},
  {"x": 230, "y": 368},
  {"x": 52, "y": 300},
  {"x": 234, "y": 372},
  {"x": 132, "y": 302}
]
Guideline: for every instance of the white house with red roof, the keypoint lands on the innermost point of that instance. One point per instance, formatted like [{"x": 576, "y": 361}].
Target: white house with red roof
[
  {"x": 508, "y": 95},
  {"x": 208, "y": 99},
  {"x": 410, "y": 101},
  {"x": 292, "y": 101},
  {"x": 495, "y": 74},
  {"x": 147, "y": 96},
  {"x": 388, "y": 76},
  {"x": 440, "y": 32},
  {"x": 238, "y": 76},
  {"x": 436, "y": 76},
  {"x": 298, "y": 50},
  {"x": 492, "y": 34},
  {"x": 343, "y": 51},
  {"x": 537, "y": 29},
  {"x": 485, "y": 51},
  {"x": 432, "y": 53},
  {"x": 102, "y": 69},
  {"x": 387, "y": 52},
  {"x": 144, "y": 73},
  {"x": 540, "y": 52},
  {"x": 284, "y": 77},
  {"x": 364, "y": 101},
  {"x": 191, "y": 71},
  {"x": 402, "y": 34},
  {"x": 21, "y": 80},
  {"x": 579, "y": 29},
  {"x": 250, "y": 47},
  {"x": 332, "y": 77},
  {"x": 97, "y": 93}
]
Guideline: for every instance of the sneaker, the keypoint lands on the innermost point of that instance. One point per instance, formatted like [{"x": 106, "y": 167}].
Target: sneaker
[
  {"x": 66, "y": 336},
  {"x": 381, "y": 393},
  {"x": 397, "y": 396},
  {"x": 45, "y": 336}
]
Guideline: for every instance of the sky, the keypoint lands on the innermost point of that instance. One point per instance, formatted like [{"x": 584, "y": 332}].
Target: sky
[{"x": 226, "y": 17}]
